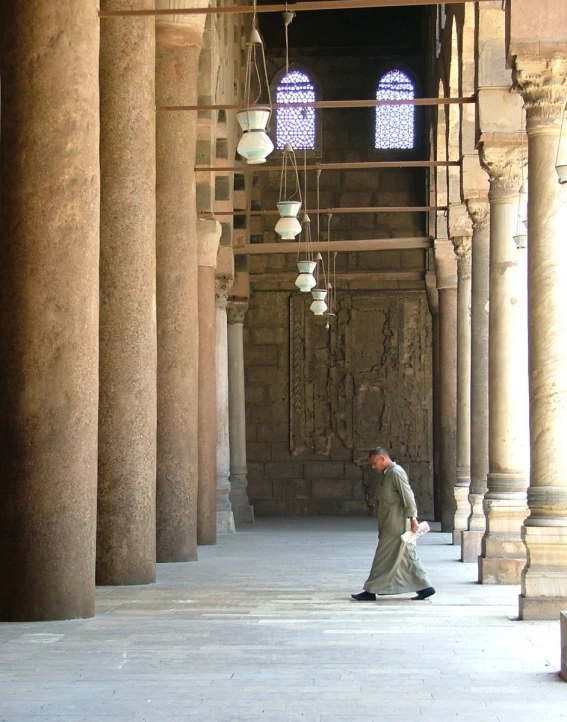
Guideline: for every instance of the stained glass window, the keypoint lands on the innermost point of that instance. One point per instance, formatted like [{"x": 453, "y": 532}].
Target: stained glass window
[
  {"x": 295, "y": 125},
  {"x": 395, "y": 123}
]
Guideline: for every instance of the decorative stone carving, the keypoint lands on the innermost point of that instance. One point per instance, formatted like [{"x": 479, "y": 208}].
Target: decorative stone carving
[
  {"x": 222, "y": 287},
  {"x": 479, "y": 211},
  {"x": 236, "y": 311},
  {"x": 463, "y": 247},
  {"x": 505, "y": 164},
  {"x": 543, "y": 85}
]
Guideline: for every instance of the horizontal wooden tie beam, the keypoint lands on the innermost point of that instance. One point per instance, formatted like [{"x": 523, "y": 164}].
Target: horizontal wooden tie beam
[
  {"x": 334, "y": 211},
  {"x": 368, "y": 165},
  {"x": 328, "y": 104},
  {"x": 293, "y": 7},
  {"x": 371, "y": 244},
  {"x": 369, "y": 277}
]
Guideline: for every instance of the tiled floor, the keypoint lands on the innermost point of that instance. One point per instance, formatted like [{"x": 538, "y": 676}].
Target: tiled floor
[{"x": 263, "y": 628}]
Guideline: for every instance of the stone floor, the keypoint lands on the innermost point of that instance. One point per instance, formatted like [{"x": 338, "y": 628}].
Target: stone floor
[{"x": 262, "y": 628}]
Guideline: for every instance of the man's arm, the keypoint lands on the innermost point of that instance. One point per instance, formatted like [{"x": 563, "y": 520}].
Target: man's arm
[{"x": 407, "y": 497}]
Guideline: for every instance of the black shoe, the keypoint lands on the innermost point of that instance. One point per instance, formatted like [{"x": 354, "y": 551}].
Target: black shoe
[
  {"x": 364, "y": 597},
  {"x": 423, "y": 594}
]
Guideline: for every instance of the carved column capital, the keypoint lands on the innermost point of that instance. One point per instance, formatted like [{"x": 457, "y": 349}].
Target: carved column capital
[
  {"x": 222, "y": 287},
  {"x": 463, "y": 246},
  {"x": 505, "y": 164},
  {"x": 542, "y": 82},
  {"x": 236, "y": 311},
  {"x": 479, "y": 211}
]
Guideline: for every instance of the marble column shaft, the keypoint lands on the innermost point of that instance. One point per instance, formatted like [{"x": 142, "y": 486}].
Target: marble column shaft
[
  {"x": 447, "y": 289},
  {"x": 49, "y": 306},
  {"x": 126, "y": 533},
  {"x": 503, "y": 553},
  {"x": 209, "y": 235},
  {"x": 177, "y": 64},
  {"x": 240, "y": 503},
  {"x": 462, "y": 246},
  {"x": 543, "y": 84},
  {"x": 225, "y": 516},
  {"x": 479, "y": 211}
]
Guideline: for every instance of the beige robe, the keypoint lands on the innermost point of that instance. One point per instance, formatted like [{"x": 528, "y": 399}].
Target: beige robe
[{"x": 396, "y": 567}]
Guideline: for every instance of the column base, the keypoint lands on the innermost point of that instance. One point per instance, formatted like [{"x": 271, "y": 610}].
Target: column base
[
  {"x": 564, "y": 645},
  {"x": 542, "y": 608},
  {"x": 471, "y": 545},
  {"x": 225, "y": 522},
  {"x": 457, "y": 537},
  {"x": 243, "y": 514},
  {"x": 500, "y": 571}
]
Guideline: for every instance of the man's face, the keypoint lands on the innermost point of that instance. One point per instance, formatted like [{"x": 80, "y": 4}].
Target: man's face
[{"x": 379, "y": 463}]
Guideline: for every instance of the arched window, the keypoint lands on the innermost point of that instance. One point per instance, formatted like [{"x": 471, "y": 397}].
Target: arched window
[
  {"x": 295, "y": 125},
  {"x": 395, "y": 124}
]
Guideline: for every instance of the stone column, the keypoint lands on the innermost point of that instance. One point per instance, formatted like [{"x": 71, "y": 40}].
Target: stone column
[
  {"x": 479, "y": 211},
  {"x": 225, "y": 517},
  {"x": 462, "y": 246},
  {"x": 209, "y": 235},
  {"x": 503, "y": 554},
  {"x": 242, "y": 510},
  {"x": 433, "y": 304},
  {"x": 126, "y": 534},
  {"x": 446, "y": 267},
  {"x": 177, "y": 64},
  {"x": 544, "y": 580},
  {"x": 49, "y": 225}
]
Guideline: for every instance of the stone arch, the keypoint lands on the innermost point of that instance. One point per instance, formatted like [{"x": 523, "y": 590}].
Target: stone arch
[{"x": 454, "y": 117}]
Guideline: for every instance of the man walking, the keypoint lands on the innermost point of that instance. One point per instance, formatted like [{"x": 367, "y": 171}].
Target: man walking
[{"x": 396, "y": 568}]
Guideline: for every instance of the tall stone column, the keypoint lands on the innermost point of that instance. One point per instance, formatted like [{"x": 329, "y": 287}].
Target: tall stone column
[
  {"x": 446, "y": 267},
  {"x": 126, "y": 546},
  {"x": 242, "y": 510},
  {"x": 544, "y": 580},
  {"x": 209, "y": 235},
  {"x": 225, "y": 516},
  {"x": 433, "y": 304},
  {"x": 177, "y": 65},
  {"x": 503, "y": 553},
  {"x": 479, "y": 211},
  {"x": 49, "y": 225},
  {"x": 462, "y": 246}
]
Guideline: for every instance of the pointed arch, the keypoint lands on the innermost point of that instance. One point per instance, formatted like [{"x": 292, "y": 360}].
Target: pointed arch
[
  {"x": 395, "y": 124},
  {"x": 296, "y": 125}
]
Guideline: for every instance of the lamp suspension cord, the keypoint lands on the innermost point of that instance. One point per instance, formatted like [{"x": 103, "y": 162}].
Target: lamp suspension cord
[{"x": 560, "y": 136}]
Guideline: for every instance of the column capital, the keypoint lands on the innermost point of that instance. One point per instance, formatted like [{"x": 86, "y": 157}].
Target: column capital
[
  {"x": 505, "y": 164},
  {"x": 463, "y": 246},
  {"x": 180, "y": 30},
  {"x": 209, "y": 232},
  {"x": 236, "y": 311},
  {"x": 479, "y": 211},
  {"x": 542, "y": 82},
  {"x": 222, "y": 287}
]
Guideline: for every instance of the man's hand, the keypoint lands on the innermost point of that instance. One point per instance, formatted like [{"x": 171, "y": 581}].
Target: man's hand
[{"x": 414, "y": 524}]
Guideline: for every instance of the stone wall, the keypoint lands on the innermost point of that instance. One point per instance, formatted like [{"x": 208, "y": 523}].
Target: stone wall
[{"x": 319, "y": 399}]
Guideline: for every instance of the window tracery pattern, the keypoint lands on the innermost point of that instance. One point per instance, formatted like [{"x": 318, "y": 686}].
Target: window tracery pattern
[
  {"x": 395, "y": 124},
  {"x": 295, "y": 125}
]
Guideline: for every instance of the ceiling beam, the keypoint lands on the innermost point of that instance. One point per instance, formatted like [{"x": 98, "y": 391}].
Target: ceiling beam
[
  {"x": 337, "y": 211},
  {"x": 293, "y": 7},
  {"x": 364, "y": 277},
  {"x": 368, "y": 165},
  {"x": 328, "y": 104},
  {"x": 372, "y": 244}
]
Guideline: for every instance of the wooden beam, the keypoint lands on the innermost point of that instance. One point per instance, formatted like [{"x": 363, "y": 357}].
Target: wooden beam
[
  {"x": 370, "y": 277},
  {"x": 372, "y": 244},
  {"x": 368, "y": 165},
  {"x": 333, "y": 211},
  {"x": 293, "y": 7},
  {"x": 326, "y": 104}
]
